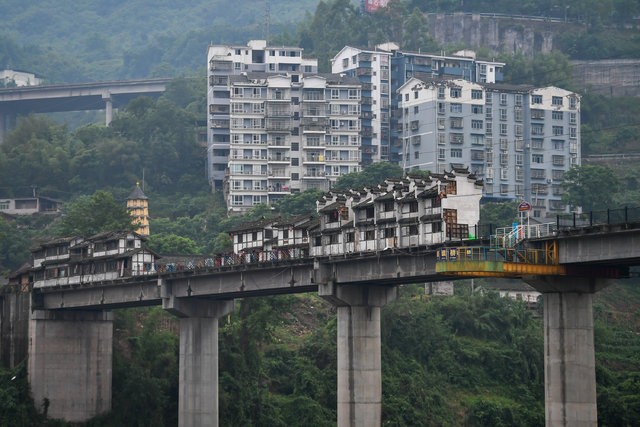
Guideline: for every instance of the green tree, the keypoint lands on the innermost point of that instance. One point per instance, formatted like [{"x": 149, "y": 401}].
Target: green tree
[
  {"x": 89, "y": 215},
  {"x": 14, "y": 247},
  {"x": 303, "y": 203},
  {"x": 591, "y": 187},
  {"x": 371, "y": 175},
  {"x": 172, "y": 244}
]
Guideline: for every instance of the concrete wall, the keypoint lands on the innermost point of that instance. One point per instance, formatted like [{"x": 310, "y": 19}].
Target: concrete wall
[
  {"x": 619, "y": 77},
  {"x": 501, "y": 34},
  {"x": 14, "y": 326}
]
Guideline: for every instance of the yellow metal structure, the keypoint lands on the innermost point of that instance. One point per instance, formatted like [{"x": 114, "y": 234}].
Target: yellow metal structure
[{"x": 482, "y": 261}]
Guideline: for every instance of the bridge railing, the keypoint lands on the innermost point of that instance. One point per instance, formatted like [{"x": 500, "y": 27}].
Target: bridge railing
[{"x": 573, "y": 220}]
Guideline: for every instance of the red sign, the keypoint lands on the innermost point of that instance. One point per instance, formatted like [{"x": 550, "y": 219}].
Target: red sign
[
  {"x": 373, "y": 5},
  {"x": 524, "y": 206}
]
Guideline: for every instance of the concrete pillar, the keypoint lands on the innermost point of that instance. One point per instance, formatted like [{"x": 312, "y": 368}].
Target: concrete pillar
[
  {"x": 359, "y": 353},
  {"x": 69, "y": 365},
  {"x": 569, "y": 354},
  {"x": 108, "y": 107},
  {"x": 198, "y": 389}
]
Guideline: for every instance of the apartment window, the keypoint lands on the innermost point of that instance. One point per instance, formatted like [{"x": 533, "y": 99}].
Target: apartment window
[
  {"x": 416, "y": 109},
  {"x": 488, "y": 113},
  {"x": 558, "y": 130},
  {"x": 477, "y": 139},
  {"x": 503, "y": 128},
  {"x": 345, "y": 63},
  {"x": 517, "y": 129},
  {"x": 441, "y": 123},
  {"x": 456, "y": 138},
  {"x": 489, "y": 99},
  {"x": 503, "y": 114},
  {"x": 573, "y": 118},
  {"x": 456, "y": 122},
  {"x": 504, "y": 159},
  {"x": 518, "y": 100},
  {"x": 441, "y": 138},
  {"x": 477, "y": 155},
  {"x": 354, "y": 94},
  {"x": 476, "y": 109},
  {"x": 537, "y": 114},
  {"x": 237, "y": 201},
  {"x": 504, "y": 144},
  {"x": 504, "y": 174},
  {"x": 441, "y": 108},
  {"x": 455, "y": 108},
  {"x": 573, "y": 102},
  {"x": 519, "y": 144},
  {"x": 488, "y": 128},
  {"x": 537, "y": 129},
  {"x": 519, "y": 159},
  {"x": 537, "y": 158},
  {"x": 558, "y": 160},
  {"x": 456, "y": 153},
  {"x": 536, "y": 99},
  {"x": 557, "y": 115},
  {"x": 476, "y": 94},
  {"x": 477, "y": 124},
  {"x": 558, "y": 144},
  {"x": 503, "y": 99},
  {"x": 519, "y": 173},
  {"x": 442, "y": 153},
  {"x": 517, "y": 114},
  {"x": 573, "y": 133},
  {"x": 455, "y": 92},
  {"x": 538, "y": 173},
  {"x": 504, "y": 189},
  {"x": 557, "y": 175},
  {"x": 556, "y": 100},
  {"x": 441, "y": 92}
]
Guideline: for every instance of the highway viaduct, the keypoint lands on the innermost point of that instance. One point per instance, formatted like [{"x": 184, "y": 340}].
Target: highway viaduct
[
  {"x": 70, "y": 329},
  {"x": 106, "y": 96}
]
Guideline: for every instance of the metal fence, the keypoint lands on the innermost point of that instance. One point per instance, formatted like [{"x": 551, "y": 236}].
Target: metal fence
[{"x": 624, "y": 215}]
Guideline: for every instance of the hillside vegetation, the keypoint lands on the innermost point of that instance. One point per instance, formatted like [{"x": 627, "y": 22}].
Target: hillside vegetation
[{"x": 66, "y": 41}]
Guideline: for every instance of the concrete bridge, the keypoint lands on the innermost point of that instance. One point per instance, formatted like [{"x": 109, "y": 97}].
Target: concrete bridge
[
  {"x": 71, "y": 329},
  {"x": 106, "y": 96}
]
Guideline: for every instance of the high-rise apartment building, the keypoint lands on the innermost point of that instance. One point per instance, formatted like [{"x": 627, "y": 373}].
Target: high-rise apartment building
[
  {"x": 225, "y": 61},
  {"x": 289, "y": 133},
  {"x": 519, "y": 139},
  {"x": 383, "y": 70}
]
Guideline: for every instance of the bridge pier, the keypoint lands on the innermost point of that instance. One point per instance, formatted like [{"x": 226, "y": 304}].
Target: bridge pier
[
  {"x": 198, "y": 389},
  {"x": 569, "y": 353},
  {"x": 108, "y": 108},
  {"x": 69, "y": 365},
  {"x": 7, "y": 124},
  {"x": 359, "y": 353}
]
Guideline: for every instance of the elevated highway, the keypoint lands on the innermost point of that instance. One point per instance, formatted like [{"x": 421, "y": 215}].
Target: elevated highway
[
  {"x": 358, "y": 285},
  {"x": 73, "y": 97}
]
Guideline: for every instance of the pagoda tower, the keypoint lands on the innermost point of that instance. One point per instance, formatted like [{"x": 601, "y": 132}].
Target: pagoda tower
[{"x": 138, "y": 207}]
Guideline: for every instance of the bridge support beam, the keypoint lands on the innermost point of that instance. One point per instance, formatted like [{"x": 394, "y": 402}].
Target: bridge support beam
[
  {"x": 108, "y": 108},
  {"x": 569, "y": 354},
  {"x": 69, "y": 365},
  {"x": 198, "y": 389},
  {"x": 359, "y": 353}
]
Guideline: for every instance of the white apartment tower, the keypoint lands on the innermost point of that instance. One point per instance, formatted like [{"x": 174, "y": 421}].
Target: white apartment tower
[
  {"x": 519, "y": 139},
  {"x": 289, "y": 133},
  {"x": 225, "y": 61},
  {"x": 383, "y": 70}
]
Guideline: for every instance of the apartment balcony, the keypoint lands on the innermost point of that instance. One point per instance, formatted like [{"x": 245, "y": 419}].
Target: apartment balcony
[
  {"x": 219, "y": 124},
  {"x": 278, "y": 126},
  {"x": 278, "y": 158},
  {"x": 314, "y": 175},
  {"x": 314, "y": 127},
  {"x": 215, "y": 65},
  {"x": 278, "y": 173}
]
